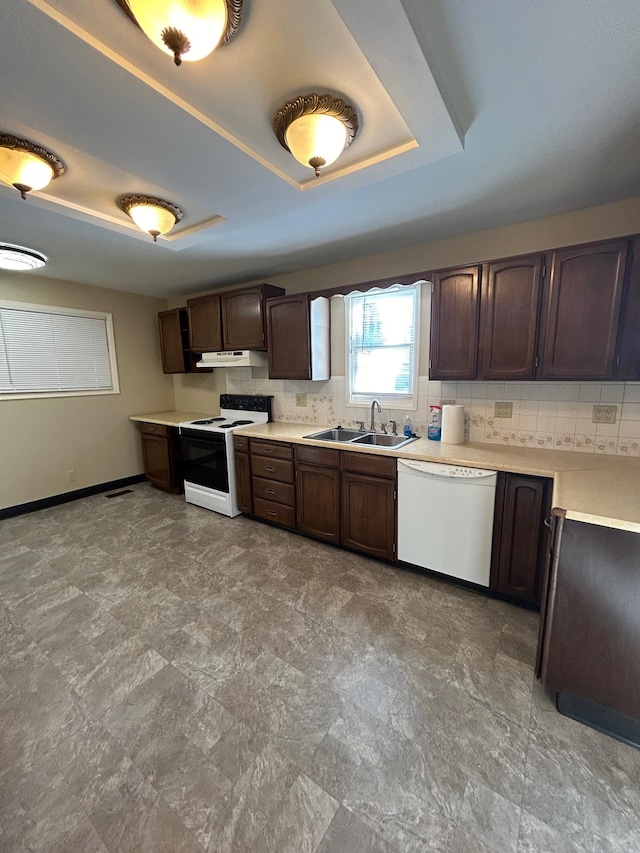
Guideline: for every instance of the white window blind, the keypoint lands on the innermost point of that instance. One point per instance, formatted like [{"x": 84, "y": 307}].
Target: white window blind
[
  {"x": 382, "y": 336},
  {"x": 52, "y": 351}
]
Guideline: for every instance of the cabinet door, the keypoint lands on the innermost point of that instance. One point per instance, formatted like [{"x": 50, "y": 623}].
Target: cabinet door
[
  {"x": 171, "y": 341},
  {"x": 509, "y": 318},
  {"x": 582, "y": 311},
  {"x": 520, "y": 535},
  {"x": 454, "y": 324},
  {"x": 243, "y": 482},
  {"x": 318, "y": 502},
  {"x": 289, "y": 337},
  {"x": 205, "y": 328},
  {"x": 243, "y": 319},
  {"x": 368, "y": 515},
  {"x": 628, "y": 357},
  {"x": 157, "y": 461}
]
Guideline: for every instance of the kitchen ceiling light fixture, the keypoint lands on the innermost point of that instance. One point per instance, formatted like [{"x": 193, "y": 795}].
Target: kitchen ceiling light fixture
[
  {"x": 153, "y": 215},
  {"x": 186, "y": 29},
  {"x": 26, "y": 166},
  {"x": 316, "y": 129},
  {"x": 19, "y": 259}
]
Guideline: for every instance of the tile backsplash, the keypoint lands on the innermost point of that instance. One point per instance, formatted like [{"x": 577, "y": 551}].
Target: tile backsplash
[{"x": 553, "y": 415}]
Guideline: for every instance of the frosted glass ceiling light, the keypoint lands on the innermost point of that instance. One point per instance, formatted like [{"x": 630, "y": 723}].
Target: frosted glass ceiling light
[
  {"x": 26, "y": 166},
  {"x": 153, "y": 215},
  {"x": 19, "y": 259},
  {"x": 186, "y": 29},
  {"x": 316, "y": 129}
]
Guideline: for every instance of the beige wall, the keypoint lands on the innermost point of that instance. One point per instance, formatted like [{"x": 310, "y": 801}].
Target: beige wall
[
  {"x": 582, "y": 226},
  {"x": 41, "y": 440}
]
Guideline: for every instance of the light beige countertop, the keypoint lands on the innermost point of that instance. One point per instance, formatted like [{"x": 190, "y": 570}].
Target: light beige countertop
[
  {"x": 171, "y": 419},
  {"x": 593, "y": 488}
]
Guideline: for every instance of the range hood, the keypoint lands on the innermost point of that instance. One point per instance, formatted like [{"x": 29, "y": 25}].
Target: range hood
[{"x": 233, "y": 358}]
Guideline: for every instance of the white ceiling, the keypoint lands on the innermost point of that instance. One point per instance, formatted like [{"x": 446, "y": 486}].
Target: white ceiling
[{"x": 474, "y": 114}]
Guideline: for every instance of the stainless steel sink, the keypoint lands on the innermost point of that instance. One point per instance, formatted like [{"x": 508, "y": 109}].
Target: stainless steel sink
[
  {"x": 338, "y": 434},
  {"x": 355, "y": 436},
  {"x": 379, "y": 439}
]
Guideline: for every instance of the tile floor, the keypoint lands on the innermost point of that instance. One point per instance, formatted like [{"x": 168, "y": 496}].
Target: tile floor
[{"x": 173, "y": 680}]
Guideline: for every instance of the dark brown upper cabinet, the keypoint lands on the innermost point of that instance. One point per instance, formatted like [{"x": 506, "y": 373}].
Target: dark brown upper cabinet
[
  {"x": 174, "y": 342},
  {"x": 582, "y": 311},
  {"x": 230, "y": 320},
  {"x": 454, "y": 324},
  {"x": 628, "y": 356},
  {"x": 298, "y": 337},
  {"x": 243, "y": 316},
  {"x": 205, "y": 323},
  {"x": 171, "y": 341},
  {"x": 510, "y": 303}
]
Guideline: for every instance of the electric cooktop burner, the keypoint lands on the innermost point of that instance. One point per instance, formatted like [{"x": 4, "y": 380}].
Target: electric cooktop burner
[
  {"x": 208, "y": 421},
  {"x": 234, "y": 424}
]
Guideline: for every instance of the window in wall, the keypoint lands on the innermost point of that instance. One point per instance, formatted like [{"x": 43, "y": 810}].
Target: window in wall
[
  {"x": 54, "y": 352},
  {"x": 382, "y": 345}
]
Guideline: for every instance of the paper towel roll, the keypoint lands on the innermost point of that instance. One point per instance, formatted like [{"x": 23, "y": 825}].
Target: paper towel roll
[{"x": 453, "y": 424}]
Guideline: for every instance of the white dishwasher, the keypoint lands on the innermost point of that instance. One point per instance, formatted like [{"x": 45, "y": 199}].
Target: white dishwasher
[{"x": 445, "y": 518}]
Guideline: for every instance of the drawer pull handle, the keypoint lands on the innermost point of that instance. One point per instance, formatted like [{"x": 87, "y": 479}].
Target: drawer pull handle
[
  {"x": 272, "y": 512},
  {"x": 269, "y": 468},
  {"x": 271, "y": 491}
]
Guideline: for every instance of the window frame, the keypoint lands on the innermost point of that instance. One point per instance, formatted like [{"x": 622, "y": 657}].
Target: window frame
[
  {"x": 75, "y": 312},
  {"x": 403, "y": 402}
]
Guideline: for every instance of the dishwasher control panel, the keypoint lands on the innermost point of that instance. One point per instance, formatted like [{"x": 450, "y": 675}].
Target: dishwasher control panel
[{"x": 439, "y": 469}]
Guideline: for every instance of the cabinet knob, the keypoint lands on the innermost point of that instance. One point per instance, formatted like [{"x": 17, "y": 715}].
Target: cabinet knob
[{"x": 548, "y": 521}]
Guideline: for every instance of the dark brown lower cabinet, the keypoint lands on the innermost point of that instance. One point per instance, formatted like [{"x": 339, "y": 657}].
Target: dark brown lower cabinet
[
  {"x": 162, "y": 459},
  {"x": 318, "y": 492},
  {"x": 520, "y": 535},
  {"x": 368, "y": 515},
  {"x": 272, "y": 482},
  {"x": 243, "y": 474},
  {"x": 590, "y": 638}
]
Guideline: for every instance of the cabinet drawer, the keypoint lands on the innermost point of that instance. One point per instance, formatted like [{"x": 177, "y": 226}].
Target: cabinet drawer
[
  {"x": 154, "y": 429},
  {"x": 327, "y": 457},
  {"x": 376, "y": 466},
  {"x": 272, "y": 511},
  {"x": 270, "y": 490},
  {"x": 271, "y": 448},
  {"x": 241, "y": 443},
  {"x": 272, "y": 469}
]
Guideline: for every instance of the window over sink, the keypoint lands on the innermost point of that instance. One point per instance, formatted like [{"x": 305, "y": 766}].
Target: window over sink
[{"x": 382, "y": 329}]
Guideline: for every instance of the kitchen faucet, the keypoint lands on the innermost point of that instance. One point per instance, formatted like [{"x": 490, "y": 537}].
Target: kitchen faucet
[{"x": 375, "y": 403}]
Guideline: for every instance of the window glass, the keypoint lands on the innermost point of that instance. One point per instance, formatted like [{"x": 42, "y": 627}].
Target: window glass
[
  {"x": 382, "y": 334},
  {"x": 48, "y": 351}
]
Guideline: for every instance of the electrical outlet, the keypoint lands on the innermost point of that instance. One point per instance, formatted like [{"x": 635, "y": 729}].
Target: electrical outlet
[
  {"x": 301, "y": 399},
  {"x": 604, "y": 414},
  {"x": 447, "y": 402},
  {"x": 71, "y": 476},
  {"x": 503, "y": 410}
]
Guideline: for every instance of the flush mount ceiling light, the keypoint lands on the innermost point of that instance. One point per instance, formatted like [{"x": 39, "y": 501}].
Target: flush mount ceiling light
[
  {"x": 26, "y": 166},
  {"x": 153, "y": 215},
  {"x": 185, "y": 29},
  {"x": 19, "y": 259},
  {"x": 316, "y": 129}
]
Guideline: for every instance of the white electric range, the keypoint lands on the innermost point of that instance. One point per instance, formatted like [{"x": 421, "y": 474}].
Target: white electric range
[{"x": 207, "y": 451}]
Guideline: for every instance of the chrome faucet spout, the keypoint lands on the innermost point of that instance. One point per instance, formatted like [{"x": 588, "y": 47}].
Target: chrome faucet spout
[{"x": 373, "y": 405}]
